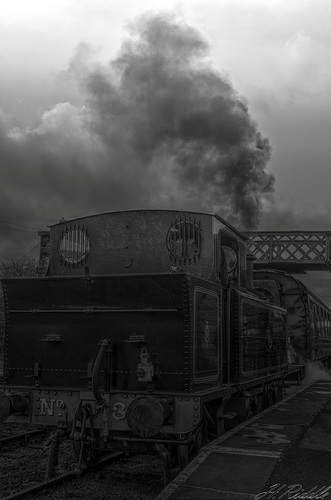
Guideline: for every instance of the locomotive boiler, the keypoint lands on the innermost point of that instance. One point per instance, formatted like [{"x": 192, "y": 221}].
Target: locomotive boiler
[{"x": 144, "y": 331}]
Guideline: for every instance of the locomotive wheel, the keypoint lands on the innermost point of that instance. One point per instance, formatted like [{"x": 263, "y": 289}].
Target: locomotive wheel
[
  {"x": 279, "y": 394},
  {"x": 268, "y": 397},
  {"x": 186, "y": 453},
  {"x": 257, "y": 404},
  {"x": 236, "y": 411}
]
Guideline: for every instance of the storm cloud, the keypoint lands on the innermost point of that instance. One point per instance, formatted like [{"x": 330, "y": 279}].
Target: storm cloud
[{"x": 157, "y": 127}]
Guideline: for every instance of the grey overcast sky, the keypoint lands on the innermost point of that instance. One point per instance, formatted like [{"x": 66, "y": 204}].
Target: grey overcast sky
[{"x": 219, "y": 105}]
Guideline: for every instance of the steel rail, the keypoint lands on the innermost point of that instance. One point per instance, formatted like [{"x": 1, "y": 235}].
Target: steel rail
[
  {"x": 19, "y": 495},
  {"x": 23, "y": 437}
]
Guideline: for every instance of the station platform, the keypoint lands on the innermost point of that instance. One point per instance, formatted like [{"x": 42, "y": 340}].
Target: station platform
[{"x": 288, "y": 445}]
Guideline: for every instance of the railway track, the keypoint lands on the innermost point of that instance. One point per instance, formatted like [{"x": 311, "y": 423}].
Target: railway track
[
  {"x": 24, "y": 437},
  {"x": 24, "y": 458},
  {"x": 20, "y": 494}
]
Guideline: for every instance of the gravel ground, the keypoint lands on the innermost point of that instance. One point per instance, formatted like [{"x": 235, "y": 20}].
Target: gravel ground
[{"x": 138, "y": 477}]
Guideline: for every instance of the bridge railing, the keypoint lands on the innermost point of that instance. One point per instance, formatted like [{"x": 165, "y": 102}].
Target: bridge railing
[{"x": 302, "y": 249}]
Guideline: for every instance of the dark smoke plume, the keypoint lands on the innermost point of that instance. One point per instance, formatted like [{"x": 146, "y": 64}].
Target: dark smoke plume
[
  {"x": 179, "y": 128},
  {"x": 156, "y": 128}
]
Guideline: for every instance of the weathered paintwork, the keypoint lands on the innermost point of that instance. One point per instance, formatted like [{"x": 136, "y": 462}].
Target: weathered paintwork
[
  {"x": 59, "y": 323},
  {"x": 138, "y": 242},
  {"x": 174, "y": 322}
]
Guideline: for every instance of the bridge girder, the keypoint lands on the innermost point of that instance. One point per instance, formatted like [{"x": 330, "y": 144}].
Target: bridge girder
[{"x": 291, "y": 251}]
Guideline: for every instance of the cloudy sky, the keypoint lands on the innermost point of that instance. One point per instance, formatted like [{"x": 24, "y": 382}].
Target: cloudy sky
[{"x": 220, "y": 105}]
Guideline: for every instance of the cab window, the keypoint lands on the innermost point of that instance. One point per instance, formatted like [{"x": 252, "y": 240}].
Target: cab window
[{"x": 229, "y": 258}]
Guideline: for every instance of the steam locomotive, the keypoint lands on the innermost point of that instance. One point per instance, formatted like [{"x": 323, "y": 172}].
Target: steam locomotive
[{"x": 145, "y": 330}]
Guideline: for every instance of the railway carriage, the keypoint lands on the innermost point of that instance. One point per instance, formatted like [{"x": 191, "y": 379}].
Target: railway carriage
[
  {"x": 144, "y": 331},
  {"x": 309, "y": 319}
]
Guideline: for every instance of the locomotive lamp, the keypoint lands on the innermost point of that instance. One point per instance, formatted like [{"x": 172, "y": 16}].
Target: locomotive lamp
[{"x": 145, "y": 370}]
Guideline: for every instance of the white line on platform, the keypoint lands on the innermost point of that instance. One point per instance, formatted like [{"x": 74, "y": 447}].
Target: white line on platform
[
  {"x": 238, "y": 495},
  {"x": 243, "y": 451}
]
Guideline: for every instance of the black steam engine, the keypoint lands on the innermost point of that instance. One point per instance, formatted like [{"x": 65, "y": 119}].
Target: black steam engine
[{"x": 145, "y": 332}]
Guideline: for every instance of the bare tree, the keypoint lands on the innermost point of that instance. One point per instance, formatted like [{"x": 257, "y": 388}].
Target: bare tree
[{"x": 15, "y": 268}]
